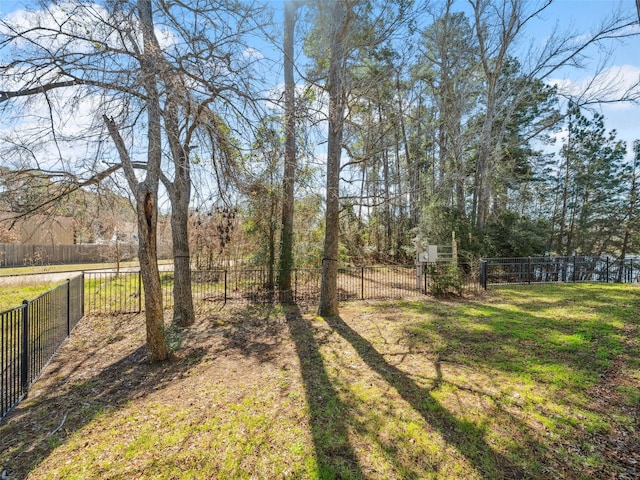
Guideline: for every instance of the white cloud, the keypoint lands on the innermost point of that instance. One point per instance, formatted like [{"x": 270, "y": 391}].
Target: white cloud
[
  {"x": 253, "y": 53},
  {"x": 611, "y": 84},
  {"x": 76, "y": 26}
]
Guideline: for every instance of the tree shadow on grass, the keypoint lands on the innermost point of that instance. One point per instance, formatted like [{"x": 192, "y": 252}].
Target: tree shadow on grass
[
  {"x": 515, "y": 341},
  {"x": 335, "y": 455},
  {"x": 74, "y": 395},
  {"x": 466, "y": 437}
]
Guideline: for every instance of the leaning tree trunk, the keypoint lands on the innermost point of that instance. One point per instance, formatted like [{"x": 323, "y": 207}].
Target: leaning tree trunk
[
  {"x": 146, "y": 194},
  {"x": 147, "y": 204}
]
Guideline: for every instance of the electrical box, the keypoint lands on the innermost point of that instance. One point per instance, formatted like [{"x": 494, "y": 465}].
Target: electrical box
[{"x": 432, "y": 253}]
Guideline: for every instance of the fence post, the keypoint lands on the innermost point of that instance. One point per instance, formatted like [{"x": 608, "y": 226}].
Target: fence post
[
  {"x": 529, "y": 270},
  {"x": 362, "y": 282},
  {"x": 139, "y": 291},
  {"x": 82, "y": 297},
  {"x": 424, "y": 276},
  {"x": 24, "y": 364},
  {"x": 225, "y": 286},
  {"x": 631, "y": 270},
  {"x": 295, "y": 285},
  {"x": 483, "y": 274},
  {"x": 68, "y": 307},
  {"x": 574, "y": 267},
  {"x": 607, "y": 269}
]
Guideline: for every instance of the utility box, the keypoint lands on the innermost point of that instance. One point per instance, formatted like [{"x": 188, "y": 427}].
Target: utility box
[
  {"x": 430, "y": 256},
  {"x": 432, "y": 253}
]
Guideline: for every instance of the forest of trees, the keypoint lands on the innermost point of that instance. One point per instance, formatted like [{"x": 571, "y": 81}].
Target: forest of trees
[{"x": 367, "y": 126}]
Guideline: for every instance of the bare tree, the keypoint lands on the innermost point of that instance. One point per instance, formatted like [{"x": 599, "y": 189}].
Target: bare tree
[
  {"x": 113, "y": 57},
  {"x": 498, "y": 25},
  {"x": 208, "y": 80},
  {"x": 146, "y": 191},
  {"x": 199, "y": 72}
]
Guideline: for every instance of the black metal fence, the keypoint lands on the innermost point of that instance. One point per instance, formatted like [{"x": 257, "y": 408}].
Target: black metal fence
[
  {"x": 111, "y": 293},
  {"x": 30, "y": 335},
  {"x": 575, "y": 268}
]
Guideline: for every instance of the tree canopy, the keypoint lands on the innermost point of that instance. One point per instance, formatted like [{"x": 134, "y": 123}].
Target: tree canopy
[{"x": 371, "y": 124}]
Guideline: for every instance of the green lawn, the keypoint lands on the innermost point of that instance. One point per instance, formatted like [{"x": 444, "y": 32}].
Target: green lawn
[
  {"x": 74, "y": 267},
  {"x": 536, "y": 382},
  {"x": 13, "y": 295}
]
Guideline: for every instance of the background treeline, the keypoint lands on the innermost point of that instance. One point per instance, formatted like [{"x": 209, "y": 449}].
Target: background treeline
[{"x": 445, "y": 131}]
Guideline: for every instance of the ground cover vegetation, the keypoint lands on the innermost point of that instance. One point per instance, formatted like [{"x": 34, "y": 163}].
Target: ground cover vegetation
[
  {"x": 535, "y": 382},
  {"x": 400, "y": 123},
  {"x": 76, "y": 267},
  {"x": 13, "y": 295}
]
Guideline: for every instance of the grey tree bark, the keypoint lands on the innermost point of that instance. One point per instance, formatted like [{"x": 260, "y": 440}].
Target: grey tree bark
[
  {"x": 290, "y": 163},
  {"x": 337, "y": 98},
  {"x": 146, "y": 191},
  {"x": 179, "y": 191}
]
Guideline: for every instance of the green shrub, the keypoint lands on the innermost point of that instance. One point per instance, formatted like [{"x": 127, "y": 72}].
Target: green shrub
[{"x": 444, "y": 279}]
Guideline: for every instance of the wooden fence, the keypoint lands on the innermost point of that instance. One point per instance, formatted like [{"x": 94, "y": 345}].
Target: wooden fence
[{"x": 16, "y": 255}]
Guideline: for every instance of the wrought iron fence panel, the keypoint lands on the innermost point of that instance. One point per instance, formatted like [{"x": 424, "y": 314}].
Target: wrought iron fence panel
[
  {"x": 76, "y": 301},
  {"x": 11, "y": 357},
  {"x": 113, "y": 293},
  {"x": 47, "y": 328},
  {"x": 31, "y": 334},
  {"x": 574, "y": 268},
  {"x": 306, "y": 284},
  {"x": 208, "y": 287}
]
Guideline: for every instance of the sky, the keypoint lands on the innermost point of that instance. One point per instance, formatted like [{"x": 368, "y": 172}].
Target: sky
[
  {"x": 625, "y": 57},
  {"x": 580, "y": 15}
]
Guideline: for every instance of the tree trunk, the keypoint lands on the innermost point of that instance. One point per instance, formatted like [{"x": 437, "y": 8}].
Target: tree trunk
[
  {"x": 179, "y": 194},
  {"x": 147, "y": 204},
  {"x": 272, "y": 226},
  {"x": 483, "y": 180},
  {"x": 563, "y": 211},
  {"x": 412, "y": 182},
  {"x": 288, "y": 179},
  {"x": 146, "y": 192},
  {"x": 183, "y": 312},
  {"x": 329, "y": 287}
]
